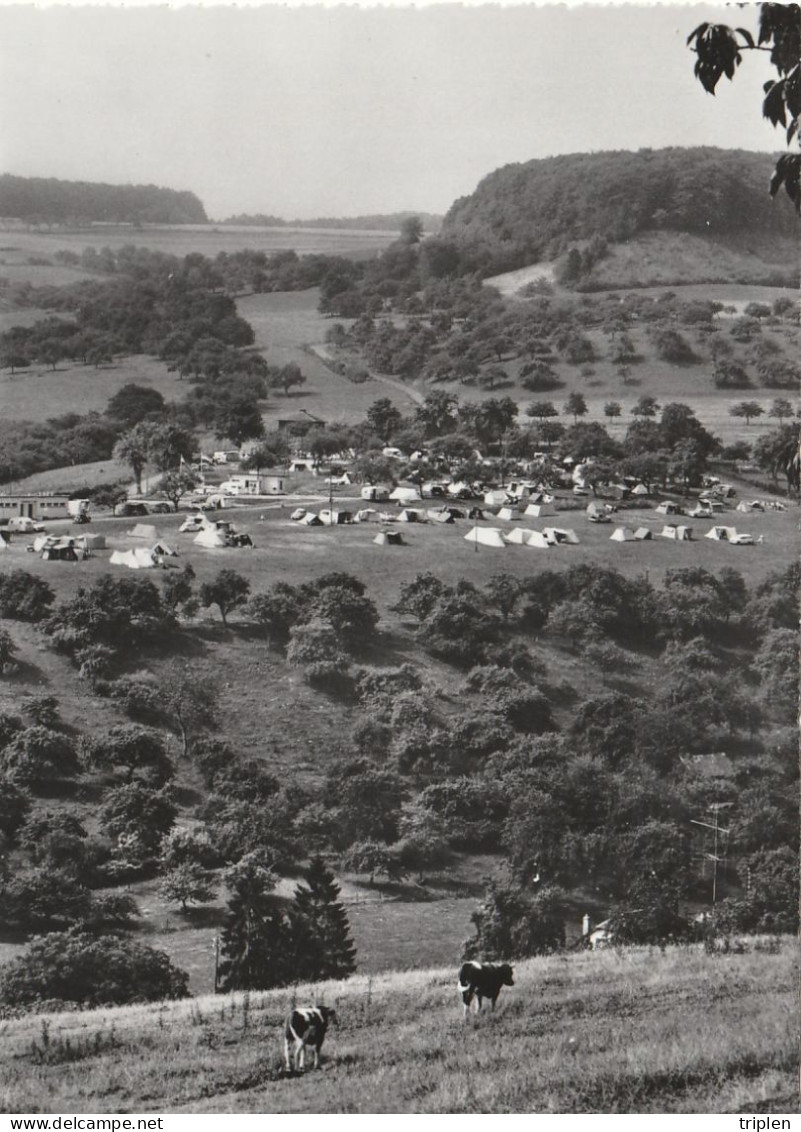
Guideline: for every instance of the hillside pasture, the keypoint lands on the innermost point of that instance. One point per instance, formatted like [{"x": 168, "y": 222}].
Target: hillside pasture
[
  {"x": 40, "y": 392},
  {"x": 183, "y": 239},
  {"x": 631, "y": 1031}
]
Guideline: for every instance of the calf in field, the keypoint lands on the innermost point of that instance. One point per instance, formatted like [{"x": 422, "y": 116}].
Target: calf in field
[
  {"x": 483, "y": 980},
  {"x": 306, "y": 1028}
]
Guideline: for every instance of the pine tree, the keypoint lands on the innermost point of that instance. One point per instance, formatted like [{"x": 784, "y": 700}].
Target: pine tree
[
  {"x": 323, "y": 946},
  {"x": 256, "y": 940}
]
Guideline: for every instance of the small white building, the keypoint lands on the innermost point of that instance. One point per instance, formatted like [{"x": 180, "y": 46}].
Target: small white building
[
  {"x": 35, "y": 505},
  {"x": 249, "y": 483}
]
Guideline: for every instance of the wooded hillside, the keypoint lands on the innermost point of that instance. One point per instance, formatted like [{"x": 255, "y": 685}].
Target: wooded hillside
[
  {"x": 47, "y": 200},
  {"x": 525, "y": 212}
]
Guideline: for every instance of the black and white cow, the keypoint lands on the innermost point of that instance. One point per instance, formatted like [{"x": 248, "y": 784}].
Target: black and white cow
[
  {"x": 306, "y": 1027},
  {"x": 482, "y": 980}
]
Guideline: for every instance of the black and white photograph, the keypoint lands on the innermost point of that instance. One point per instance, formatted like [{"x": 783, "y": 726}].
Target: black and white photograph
[{"x": 399, "y": 560}]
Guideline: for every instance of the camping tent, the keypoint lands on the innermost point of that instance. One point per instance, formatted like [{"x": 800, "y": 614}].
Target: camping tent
[
  {"x": 162, "y": 550},
  {"x": 622, "y": 534},
  {"x": 144, "y": 530},
  {"x": 138, "y": 558},
  {"x": 485, "y": 536},
  {"x": 60, "y": 549},
  {"x": 556, "y": 535},
  {"x": 405, "y": 495},
  {"x": 496, "y": 498},
  {"x": 679, "y": 534},
  {"x": 442, "y": 515},
  {"x": 643, "y": 533},
  {"x": 596, "y": 513},
  {"x": 335, "y": 518},
  {"x": 667, "y": 507},
  {"x": 640, "y": 489},
  {"x": 754, "y": 505},
  {"x": 311, "y": 520},
  {"x": 210, "y": 537},
  {"x": 411, "y": 515},
  {"x": 91, "y": 542},
  {"x": 721, "y": 534},
  {"x": 537, "y": 539},
  {"x": 367, "y": 515},
  {"x": 388, "y": 538},
  {"x": 508, "y": 514},
  {"x": 5, "y": 541},
  {"x": 518, "y": 536},
  {"x": 538, "y": 510}
]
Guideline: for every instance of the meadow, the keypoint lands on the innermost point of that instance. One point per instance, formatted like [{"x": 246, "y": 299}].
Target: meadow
[
  {"x": 182, "y": 239},
  {"x": 618, "y": 1031}
]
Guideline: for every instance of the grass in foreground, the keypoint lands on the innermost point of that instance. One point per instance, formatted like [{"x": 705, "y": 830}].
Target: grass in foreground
[{"x": 628, "y": 1031}]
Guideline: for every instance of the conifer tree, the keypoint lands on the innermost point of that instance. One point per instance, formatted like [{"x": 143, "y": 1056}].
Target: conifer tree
[
  {"x": 256, "y": 941},
  {"x": 323, "y": 946}
]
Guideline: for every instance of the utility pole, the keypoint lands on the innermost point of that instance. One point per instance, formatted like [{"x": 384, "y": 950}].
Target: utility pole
[{"x": 717, "y": 831}]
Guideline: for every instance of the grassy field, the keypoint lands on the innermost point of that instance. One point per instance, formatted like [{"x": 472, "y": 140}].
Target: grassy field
[
  {"x": 183, "y": 239},
  {"x": 635, "y": 1031}
]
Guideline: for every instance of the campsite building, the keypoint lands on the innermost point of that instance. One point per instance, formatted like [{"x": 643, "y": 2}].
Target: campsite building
[
  {"x": 35, "y": 505},
  {"x": 252, "y": 484}
]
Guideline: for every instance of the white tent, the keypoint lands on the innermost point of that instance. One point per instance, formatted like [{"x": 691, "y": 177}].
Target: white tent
[
  {"x": 678, "y": 534},
  {"x": 440, "y": 516},
  {"x": 640, "y": 489},
  {"x": 144, "y": 530},
  {"x": 4, "y": 541},
  {"x": 311, "y": 520},
  {"x": 509, "y": 514},
  {"x": 559, "y": 535},
  {"x": 405, "y": 495},
  {"x": 519, "y": 536},
  {"x": 496, "y": 498},
  {"x": 721, "y": 534},
  {"x": 193, "y": 523},
  {"x": 667, "y": 507},
  {"x": 411, "y": 515},
  {"x": 539, "y": 510},
  {"x": 388, "y": 538},
  {"x": 485, "y": 536},
  {"x": 367, "y": 515},
  {"x": 538, "y": 540},
  {"x": 622, "y": 534},
  {"x": 458, "y": 489},
  {"x": 754, "y": 505},
  {"x": 139, "y": 558},
  {"x": 643, "y": 533},
  {"x": 210, "y": 537}
]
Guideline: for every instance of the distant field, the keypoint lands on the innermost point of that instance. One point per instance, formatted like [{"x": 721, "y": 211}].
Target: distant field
[
  {"x": 181, "y": 240},
  {"x": 633, "y": 1031}
]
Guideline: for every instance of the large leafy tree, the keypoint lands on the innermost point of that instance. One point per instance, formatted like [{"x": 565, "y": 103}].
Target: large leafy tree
[{"x": 720, "y": 49}]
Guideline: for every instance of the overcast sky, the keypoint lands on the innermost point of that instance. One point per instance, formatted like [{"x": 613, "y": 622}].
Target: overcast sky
[{"x": 305, "y": 112}]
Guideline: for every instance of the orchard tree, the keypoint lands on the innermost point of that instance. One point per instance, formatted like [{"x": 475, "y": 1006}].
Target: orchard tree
[
  {"x": 612, "y": 409},
  {"x": 133, "y": 403},
  {"x": 749, "y": 410},
  {"x": 780, "y": 409},
  {"x": 227, "y": 591},
  {"x": 188, "y": 883},
  {"x": 720, "y": 49},
  {"x": 287, "y": 377},
  {"x": 542, "y": 410},
  {"x": 24, "y": 596},
  {"x": 239, "y": 420},
  {"x": 646, "y": 406},
  {"x": 384, "y": 419},
  {"x": 576, "y": 406},
  {"x": 175, "y": 485}
]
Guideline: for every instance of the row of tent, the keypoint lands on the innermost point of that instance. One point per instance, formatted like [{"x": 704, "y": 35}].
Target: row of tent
[{"x": 494, "y": 537}]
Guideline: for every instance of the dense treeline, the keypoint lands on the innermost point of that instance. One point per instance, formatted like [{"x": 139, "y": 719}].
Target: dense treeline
[
  {"x": 523, "y": 213},
  {"x": 45, "y": 200},
  {"x": 379, "y": 222}
]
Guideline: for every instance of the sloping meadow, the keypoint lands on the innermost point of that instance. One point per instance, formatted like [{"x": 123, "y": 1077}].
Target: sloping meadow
[{"x": 634, "y": 1030}]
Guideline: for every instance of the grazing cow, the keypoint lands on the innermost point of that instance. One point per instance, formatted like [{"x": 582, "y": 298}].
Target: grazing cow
[
  {"x": 306, "y": 1027},
  {"x": 483, "y": 980}
]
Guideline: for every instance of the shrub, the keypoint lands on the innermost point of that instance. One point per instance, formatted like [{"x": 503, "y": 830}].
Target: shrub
[
  {"x": 74, "y": 966},
  {"x": 24, "y": 597}
]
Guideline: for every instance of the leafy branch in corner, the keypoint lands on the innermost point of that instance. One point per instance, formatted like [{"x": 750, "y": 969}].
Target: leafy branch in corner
[{"x": 720, "y": 49}]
